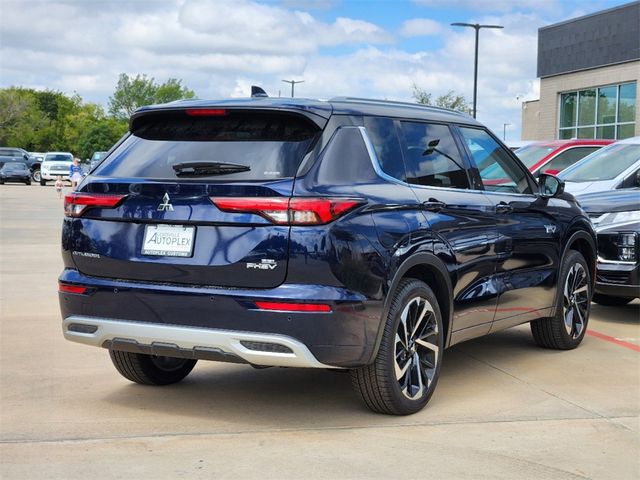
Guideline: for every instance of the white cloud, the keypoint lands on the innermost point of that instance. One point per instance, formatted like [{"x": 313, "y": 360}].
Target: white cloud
[
  {"x": 420, "y": 27},
  {"x": 502, "y": 6},
  {"x": 215, "y": 50}
]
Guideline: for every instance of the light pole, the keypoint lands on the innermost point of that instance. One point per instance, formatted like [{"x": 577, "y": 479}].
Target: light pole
[
  {"x": 504, "y": 131},
  {"x": 476, "y": 27},
  {"x": 293, "y": 83}
]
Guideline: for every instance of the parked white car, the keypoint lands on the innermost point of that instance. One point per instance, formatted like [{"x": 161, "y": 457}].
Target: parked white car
[
  {"x": 614, "y": 166},
  {"x": 54, "y": 165}
]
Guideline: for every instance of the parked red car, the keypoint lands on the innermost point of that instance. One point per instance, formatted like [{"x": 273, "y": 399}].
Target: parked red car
[{"x": 556, "y": 155}]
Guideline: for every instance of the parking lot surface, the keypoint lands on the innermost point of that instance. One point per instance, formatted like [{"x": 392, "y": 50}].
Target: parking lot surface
[{"x": 503, "y": 407}]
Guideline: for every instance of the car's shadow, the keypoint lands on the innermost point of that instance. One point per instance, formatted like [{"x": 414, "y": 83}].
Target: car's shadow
[
  {"x": 240, "y": 398},
  {"x": 291, "y": 398}
]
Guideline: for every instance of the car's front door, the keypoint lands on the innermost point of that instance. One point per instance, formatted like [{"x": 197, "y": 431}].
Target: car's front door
[
  {"x": 459, "y": 216},
  {"x": 528, "y": 243}
]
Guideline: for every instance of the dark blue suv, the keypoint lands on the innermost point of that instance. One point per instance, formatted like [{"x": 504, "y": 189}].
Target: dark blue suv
[{"x": 345, "y": 234}]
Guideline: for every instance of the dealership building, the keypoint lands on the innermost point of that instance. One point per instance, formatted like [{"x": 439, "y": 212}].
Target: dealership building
[{"x": 589, "y": 70}]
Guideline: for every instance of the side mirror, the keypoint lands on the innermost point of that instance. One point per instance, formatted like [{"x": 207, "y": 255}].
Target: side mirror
[{"x": 550, "y": 186}]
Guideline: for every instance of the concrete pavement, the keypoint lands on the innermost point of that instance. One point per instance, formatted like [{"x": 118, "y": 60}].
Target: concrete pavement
[{"x": 503, "y": 408}]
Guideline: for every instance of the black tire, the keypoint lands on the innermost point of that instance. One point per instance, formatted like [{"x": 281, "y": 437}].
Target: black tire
[
  {"x": 28, "y": 182},
  {"x": 566, "y": 329},
  {"x": 419, "y": 354},
  {"x": 36, "y": 175},
  {"x": 149, "y": 369},
  {"x": 43, "y": 182},
  {"x": 1, "y": 182},
  {"x": 610, "y": 301}
]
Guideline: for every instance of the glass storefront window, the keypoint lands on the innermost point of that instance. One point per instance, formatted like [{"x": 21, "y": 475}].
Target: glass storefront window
[
  {"x": 602, "y": 112},
  {"x": 587, "y": 107},
  {"x": 607, "y": 104},
  {"x": 626, "y": 131},
  {"x": 585, "y": 132},
  {"x": 567, "y": 134},
  {"x": 608, "y": 131},
  {"x": 627, "y": 105},
  {"x": 568, "y": 110}
]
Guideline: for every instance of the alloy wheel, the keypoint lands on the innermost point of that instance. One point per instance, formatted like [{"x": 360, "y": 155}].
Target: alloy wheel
[
  {"x": 416, "y": 348},
  {"x": 575, "y": 303}
]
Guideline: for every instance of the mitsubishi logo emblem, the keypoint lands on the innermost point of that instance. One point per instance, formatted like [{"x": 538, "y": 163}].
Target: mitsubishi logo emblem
[{"x": 165, "y": 205}]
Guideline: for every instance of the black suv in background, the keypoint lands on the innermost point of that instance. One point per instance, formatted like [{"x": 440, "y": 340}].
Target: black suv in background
[
  {"x": 616, "y": 216},
  {"x": 348, "y": 234}
]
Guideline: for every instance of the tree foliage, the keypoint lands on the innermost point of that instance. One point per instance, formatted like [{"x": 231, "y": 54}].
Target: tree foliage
[
  {"x": 134, "y": 92},
  {"x": 49, "y": 120},
  {"x": 450, "y": 100}
]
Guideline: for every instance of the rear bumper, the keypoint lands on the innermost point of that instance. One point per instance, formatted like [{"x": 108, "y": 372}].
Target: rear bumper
[
  {"x": 183, "y": 318},
  {"x": 190, "y": 342}
]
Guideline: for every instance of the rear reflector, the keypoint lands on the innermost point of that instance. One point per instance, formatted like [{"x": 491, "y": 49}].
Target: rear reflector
[
  {"x": 75, "y": 204},
  {"x": 293, "y": 307},
  {"x": 67, "y": 288},
  {"x": 290, "y": 211},
  {"x": 206, "y": 112}
]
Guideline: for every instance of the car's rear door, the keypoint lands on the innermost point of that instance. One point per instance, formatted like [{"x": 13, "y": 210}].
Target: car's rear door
[{"x": 163, "y": 225}]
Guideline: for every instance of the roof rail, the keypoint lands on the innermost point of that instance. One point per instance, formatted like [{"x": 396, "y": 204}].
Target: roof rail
[{"x": 375, "y": 101}]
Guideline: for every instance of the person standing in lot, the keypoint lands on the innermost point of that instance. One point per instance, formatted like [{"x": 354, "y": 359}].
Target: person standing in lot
[
  {"x": 59, "y": 185},
  {"x": 75, "y": 173}
]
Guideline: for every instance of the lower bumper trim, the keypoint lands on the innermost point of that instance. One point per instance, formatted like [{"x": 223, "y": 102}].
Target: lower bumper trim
[{"x": 189, "y": 342}]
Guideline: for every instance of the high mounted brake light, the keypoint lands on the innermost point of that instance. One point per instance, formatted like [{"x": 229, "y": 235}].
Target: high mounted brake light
[
  {"x": 290, "y": 211},
  {"x": 206, "y": 112},
  {"x": 75, "y": 204}
]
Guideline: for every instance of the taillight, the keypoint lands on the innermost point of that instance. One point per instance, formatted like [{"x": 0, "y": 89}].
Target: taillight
[
  {"x": 206, "y": 112},
  {"x": 290, "y": 211},
  {"x": 68, "y": 288},
  {"x": 75, "y": 204},
  {"x": 294, "y": 307}
]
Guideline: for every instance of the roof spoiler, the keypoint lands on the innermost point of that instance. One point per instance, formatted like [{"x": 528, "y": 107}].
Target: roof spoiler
[{"x": 258, "y": 92}]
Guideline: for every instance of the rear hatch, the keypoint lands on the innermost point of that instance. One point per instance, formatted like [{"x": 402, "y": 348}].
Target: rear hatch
[{"x": 150, "y": 214}]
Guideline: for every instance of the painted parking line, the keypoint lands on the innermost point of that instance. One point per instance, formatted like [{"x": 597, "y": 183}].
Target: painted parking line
[{"x": 607, "y": 338}]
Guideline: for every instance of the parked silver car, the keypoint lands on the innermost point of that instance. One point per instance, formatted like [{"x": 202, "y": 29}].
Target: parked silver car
[{"x": 612, "y": 167}]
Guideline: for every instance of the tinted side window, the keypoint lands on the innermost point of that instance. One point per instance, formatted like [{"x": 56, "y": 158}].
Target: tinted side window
[
  {"x": 432, "y": 156},
  {"x": 568, "y": 158},
  {"x": 498, "y": 171},
  {"x": 382, "y": 133}
]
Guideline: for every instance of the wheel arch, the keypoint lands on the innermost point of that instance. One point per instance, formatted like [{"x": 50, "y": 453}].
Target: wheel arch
[
  {"x": 431, "y": 270},
  {"x": 580, "y": 237}
]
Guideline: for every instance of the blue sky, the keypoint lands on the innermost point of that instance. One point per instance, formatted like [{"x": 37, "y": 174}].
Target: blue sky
[{"x": 219, "y": 48}]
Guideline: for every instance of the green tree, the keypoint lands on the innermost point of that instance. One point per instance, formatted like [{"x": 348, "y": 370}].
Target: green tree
[
  {"x": 132, "y": 93},
  {"x": 172, "y": 90},
  {"x": 449, "y": 100},
  {"x": 22, "y": 123},
  {"x": 102, "y": 135}
]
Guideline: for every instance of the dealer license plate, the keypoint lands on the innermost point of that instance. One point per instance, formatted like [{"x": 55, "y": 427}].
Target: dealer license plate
[{"x": 168, "y": 240}]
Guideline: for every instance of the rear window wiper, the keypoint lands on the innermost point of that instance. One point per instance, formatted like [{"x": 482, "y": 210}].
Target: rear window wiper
[{"x": 198, "y": 169}]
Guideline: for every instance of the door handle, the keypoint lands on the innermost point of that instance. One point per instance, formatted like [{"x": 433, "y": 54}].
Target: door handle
[
  {"x": 433, "y": 205},
  {"x": 503, "y": 207}
]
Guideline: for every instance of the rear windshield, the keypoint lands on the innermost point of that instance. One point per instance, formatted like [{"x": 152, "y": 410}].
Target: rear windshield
[
  {"x": 605, "y": 164},
  {"x": 271, "y": 145}
]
